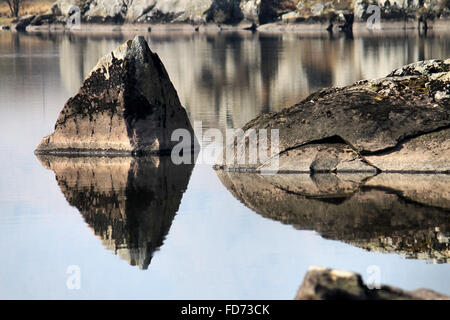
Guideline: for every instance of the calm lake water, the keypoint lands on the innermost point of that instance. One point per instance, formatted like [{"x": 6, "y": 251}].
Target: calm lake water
[{"x": 146, "y": 229}]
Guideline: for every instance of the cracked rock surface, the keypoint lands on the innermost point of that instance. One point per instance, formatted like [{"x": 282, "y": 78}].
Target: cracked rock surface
[
  {"x": 397, "y": 123},
  {"x": 126, "y": 105}
]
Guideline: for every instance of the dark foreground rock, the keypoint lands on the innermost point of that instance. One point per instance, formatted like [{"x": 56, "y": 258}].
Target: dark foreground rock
[
  {"x": 128, "y": 202},
  {"x": 406, "y": 214},
  {"x": 397, "y": 123},
  {"x": 328, "y": 284},
  {"x": 126, "y": 105}
]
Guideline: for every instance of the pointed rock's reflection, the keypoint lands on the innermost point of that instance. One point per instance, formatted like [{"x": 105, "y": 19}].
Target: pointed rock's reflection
[
  {"x": 128, "y": 202},
  {"x": 407, "y": 214}
]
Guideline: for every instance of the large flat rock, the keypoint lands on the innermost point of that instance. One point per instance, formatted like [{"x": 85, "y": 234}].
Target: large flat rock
[{"x": 397, "y": 123}]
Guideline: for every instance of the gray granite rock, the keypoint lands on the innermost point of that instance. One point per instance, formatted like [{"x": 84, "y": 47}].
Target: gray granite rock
[{"x": 174, "y": 11}]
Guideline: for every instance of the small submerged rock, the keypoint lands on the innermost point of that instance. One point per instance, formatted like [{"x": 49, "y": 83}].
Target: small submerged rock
[
  {"x": 126, "y": 105},
  {"x": 397, "y": 123},
  {"x": 328, "y": 284}
]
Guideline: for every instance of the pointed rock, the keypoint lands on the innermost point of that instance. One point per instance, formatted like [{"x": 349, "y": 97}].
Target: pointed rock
[{"x": 127, "y": 105}]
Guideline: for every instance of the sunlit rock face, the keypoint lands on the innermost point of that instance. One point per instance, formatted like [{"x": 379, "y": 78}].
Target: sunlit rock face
[
  {"x": 406, "y": 214},
  {"x": 127, "y": 105},
  {"x": 129, "y": 203}
]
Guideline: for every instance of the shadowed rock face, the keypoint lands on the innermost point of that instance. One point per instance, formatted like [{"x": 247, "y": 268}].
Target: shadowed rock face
[
  {"x": 407, "y": 214},
  {"x": 128, "y": 202},
  {"x": 126, "y": 105},
  {"x": 397, "y": 123}
]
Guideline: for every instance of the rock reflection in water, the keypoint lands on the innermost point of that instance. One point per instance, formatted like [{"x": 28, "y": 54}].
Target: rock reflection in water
[
  {"x": 408, "y": 214},
  {"x": 128, "y": 202}
]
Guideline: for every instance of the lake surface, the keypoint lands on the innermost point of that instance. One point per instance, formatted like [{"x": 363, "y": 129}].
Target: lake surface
[{"x": 146, "y": 229}]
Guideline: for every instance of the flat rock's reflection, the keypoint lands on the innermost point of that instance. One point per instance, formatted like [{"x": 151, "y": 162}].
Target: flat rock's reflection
[
  {"x": 408, "y": 214},
  {"x": 128, "y": 202}
]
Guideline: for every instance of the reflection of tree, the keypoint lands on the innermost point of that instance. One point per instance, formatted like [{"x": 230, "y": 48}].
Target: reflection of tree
[
  {"x": 321, "y": 56},
  {"x": 128, "y": 202},
  {"x": 270, "y": 48}
]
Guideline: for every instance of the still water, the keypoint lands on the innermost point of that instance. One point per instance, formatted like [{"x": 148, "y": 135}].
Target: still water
[{"x": 146, "y": 229}]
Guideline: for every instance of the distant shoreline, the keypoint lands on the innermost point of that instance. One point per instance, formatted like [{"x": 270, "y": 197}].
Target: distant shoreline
[{"x": 270, "y": 27}]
